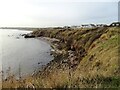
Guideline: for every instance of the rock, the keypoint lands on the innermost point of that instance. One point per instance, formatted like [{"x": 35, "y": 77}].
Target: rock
[
  {"x": 29, "y": 36},
  {"x": 39, "y": 62}
]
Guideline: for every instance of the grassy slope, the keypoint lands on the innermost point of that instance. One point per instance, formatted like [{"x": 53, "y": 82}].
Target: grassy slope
[{"x": 95, "y": 62}]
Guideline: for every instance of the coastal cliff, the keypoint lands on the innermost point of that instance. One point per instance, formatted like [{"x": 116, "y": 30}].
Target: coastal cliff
[
  {"x": 89, "y": 57},
  {"x": 83, "y": 58}
]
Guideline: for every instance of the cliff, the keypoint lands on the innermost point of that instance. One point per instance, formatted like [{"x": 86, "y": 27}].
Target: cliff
[
  {"x": 84, "y": 58},
  {"x": 88, "y": 58}
]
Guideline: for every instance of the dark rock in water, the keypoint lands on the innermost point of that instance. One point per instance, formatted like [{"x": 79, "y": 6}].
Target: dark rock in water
[
  {"x": 29, "y": 36},
  {"x": 39, "y": 63}
]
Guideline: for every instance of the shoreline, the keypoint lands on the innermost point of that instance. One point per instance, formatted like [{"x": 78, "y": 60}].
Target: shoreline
[
  {"x": 55, "y": 52},
  {"x": 13, "y": 78},
  {"x": 46, "y": 40},
  {"x": 80, "y": 59}
]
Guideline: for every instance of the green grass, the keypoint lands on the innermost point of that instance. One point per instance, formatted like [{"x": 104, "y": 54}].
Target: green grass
[
  {"x": 111, "y": 82},
  {"x": 112, "y": 42}
]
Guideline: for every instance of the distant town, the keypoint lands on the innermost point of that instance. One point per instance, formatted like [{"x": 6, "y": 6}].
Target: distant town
[
  {"x": 68, "y": 27},
  {"x": 94, "y": 25}
]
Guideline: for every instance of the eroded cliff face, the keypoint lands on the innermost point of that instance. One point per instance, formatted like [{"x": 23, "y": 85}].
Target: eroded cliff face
[{"x": 86, "y": 53}]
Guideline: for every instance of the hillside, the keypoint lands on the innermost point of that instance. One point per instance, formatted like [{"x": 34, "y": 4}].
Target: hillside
[{"x": 84, "y": 58}]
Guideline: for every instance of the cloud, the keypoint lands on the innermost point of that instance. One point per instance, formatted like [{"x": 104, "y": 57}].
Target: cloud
[{"x": 45, "y": 13}]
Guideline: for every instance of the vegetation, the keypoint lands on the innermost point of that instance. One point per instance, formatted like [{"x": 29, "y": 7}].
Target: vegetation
[{"x": 86, "y": 58}]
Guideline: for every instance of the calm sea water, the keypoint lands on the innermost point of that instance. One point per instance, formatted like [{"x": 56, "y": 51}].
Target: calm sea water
[{"x": 18, "y": 54}]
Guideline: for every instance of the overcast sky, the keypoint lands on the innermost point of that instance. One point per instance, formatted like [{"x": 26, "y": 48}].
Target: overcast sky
[{"x": 43, "y": 13}]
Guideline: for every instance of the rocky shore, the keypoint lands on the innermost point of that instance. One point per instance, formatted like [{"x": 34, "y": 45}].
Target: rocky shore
[
  {"x": 78, "y": 55},
  {"x": 83, "y": 58}
]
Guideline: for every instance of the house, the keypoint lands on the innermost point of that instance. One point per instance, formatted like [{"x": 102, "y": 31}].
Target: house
[
  {"x": 88, "y": 26},
  {"x": 114, "y": 24},
  {"x": 101, "y": 25}
]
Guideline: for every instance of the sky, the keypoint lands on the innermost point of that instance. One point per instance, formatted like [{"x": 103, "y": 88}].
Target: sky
[{"x": 49, "y": 13}]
